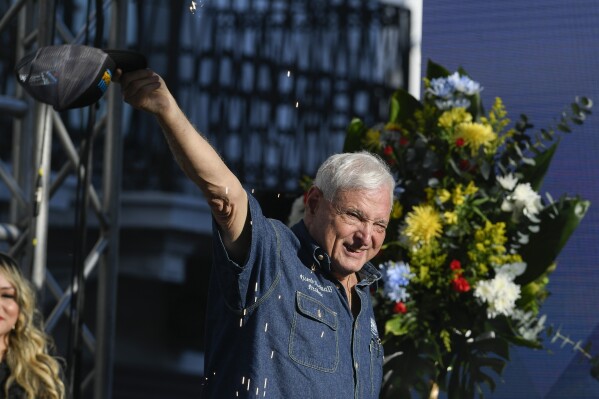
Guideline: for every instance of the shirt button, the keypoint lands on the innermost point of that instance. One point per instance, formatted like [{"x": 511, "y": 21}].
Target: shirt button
[{"x": 320, "y": 257}]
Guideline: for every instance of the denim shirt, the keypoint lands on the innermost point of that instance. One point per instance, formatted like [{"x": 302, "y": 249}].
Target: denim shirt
[{"x": 280, "y": 326}]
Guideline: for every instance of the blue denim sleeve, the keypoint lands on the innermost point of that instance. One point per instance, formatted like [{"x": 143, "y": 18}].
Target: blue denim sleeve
[{"x": 243, "y": 286}]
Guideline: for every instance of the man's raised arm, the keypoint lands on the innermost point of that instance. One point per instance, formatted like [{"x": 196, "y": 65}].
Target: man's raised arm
[{"x": 145, "y": 90}]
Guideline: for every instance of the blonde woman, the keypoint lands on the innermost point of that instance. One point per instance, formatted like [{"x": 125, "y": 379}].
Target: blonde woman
[{"x": 27, "y": 370}]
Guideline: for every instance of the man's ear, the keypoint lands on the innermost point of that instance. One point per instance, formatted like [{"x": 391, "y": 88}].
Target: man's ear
[{"x": 313, "y": 199}]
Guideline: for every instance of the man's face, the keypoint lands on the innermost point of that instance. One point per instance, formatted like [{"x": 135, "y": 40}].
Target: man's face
[{"x": 351, "y": 228}]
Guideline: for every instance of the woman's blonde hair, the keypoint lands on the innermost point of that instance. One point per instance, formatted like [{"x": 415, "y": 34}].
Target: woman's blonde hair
[{"x": 28, "y": 358}]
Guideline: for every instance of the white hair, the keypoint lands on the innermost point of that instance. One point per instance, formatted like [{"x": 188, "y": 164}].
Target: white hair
[{"x": 353, "y": 171}]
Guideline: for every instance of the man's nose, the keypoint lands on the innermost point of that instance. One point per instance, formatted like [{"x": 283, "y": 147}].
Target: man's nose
[{"x": 365, "y": 231}]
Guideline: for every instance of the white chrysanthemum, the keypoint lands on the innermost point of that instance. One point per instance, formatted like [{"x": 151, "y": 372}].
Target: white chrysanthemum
[
  {"x": 523, "y": 200},
  {"x": 500, "y": 295},
  {"x": 508, "y": 182},
  {"x": 507, "y": 205},
  {"x": 527, "y": 199}
]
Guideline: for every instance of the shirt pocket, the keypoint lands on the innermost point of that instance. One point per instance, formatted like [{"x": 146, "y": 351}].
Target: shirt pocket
[{"x": 314, "y": 342}]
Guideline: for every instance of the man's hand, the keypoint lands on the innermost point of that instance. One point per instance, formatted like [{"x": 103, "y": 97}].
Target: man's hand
[{"x": 144, "y": 90}]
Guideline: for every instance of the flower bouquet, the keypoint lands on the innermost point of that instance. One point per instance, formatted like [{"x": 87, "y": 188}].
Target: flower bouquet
[{"x": 471, "y": 242}]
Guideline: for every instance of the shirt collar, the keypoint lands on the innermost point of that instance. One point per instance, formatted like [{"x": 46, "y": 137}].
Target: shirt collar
[{"x": 312, "y": 254}]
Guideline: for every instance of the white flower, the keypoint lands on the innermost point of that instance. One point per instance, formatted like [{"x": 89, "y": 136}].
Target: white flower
[
  {"x": 507, "y": 205},
  {"x": 511, "y": 270},
  {"x": 508, "y": 182},
  {"x": 463, "y": 84},
  {"x": 523, "y": 200},
  {"x": 297, "y": 211},
  {"x": 527, "y": 199},
  {"x": 500, "y": 295}
]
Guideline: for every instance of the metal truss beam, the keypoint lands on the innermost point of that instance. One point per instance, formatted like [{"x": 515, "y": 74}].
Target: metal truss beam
[{"x": 31, "y": 183}]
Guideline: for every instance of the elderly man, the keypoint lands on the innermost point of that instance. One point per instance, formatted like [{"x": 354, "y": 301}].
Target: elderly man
[{"x": 289, "y": 311}]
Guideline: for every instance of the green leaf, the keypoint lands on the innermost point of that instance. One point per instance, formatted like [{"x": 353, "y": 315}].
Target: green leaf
[
  {"x": 483, "y": 377},
  {"x": 356, "y": 131},
  {"x": 595, "y": 368},
  {"x": 534, "y": 174},
  {"x": 434, "y": 70},
  {"x": 476, "y": 106},
  {"x": 587, "y": 103},
  {"x": 497, "y": 365},
  {"x": 402, "y": 106},
  {"x": 562, "y": 126},
  {"x": 396, "y": 326},
  {"x": 555, "y": 230},
  {"x": 494, "y": 345},
  {"x": 526, "y": 343}
]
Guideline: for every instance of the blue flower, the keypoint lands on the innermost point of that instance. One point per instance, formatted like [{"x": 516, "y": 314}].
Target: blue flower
[
  {"x": 451, "y": 89},
  {"x": 464, "y": 84},
  {"x": 441, "y": 87},
  {"x": 396, "y": 277}
]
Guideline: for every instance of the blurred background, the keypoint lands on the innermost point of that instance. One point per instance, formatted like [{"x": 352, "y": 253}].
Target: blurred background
[{"x": 273, "y": 85}]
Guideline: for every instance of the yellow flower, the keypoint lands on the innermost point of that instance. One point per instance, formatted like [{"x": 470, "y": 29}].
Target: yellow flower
[
  {"x": 423, "y": 224},
  {"x": 489, "y": 249},
  {"x": 443, "y": 195},
  {"x": 475, "y": 135},
  {"x": 458, "y": 195},
  {"x": 392, "y": 126},
  {"x": 471, "y": 189},
  {"x": 430, "y": 194},
  {"x": 397, "y": 210},
  {"x": 450, "y": 217},
  {"x": 373, "y": 139},
  {"x": 453, "y": 117},
  {"x": 497, "y": 116}
]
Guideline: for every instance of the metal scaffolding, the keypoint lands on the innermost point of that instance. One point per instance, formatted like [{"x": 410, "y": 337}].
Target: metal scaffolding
[{"x": 31, "y": 184}]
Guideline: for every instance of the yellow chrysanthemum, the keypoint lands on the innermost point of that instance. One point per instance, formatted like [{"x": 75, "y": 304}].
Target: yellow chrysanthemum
[
  {"x": 373, "y": 139},
  {"x": 454, "y": 117},
  {"x": 475, "y": 135},
  {"x": 423, "y": 224}
]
